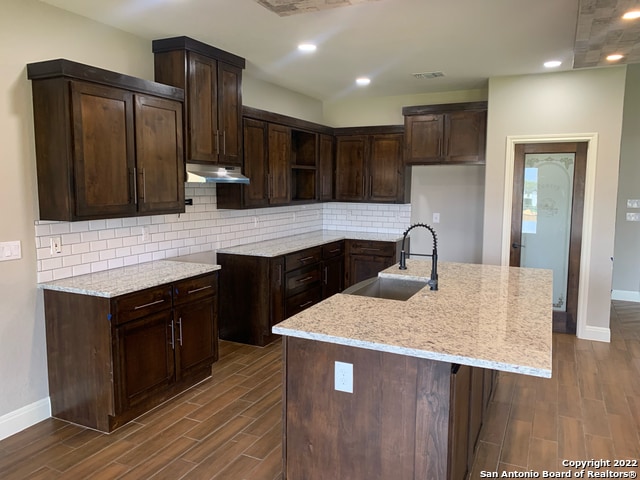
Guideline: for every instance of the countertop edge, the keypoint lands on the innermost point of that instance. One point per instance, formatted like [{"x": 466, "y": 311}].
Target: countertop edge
[
  {"x": 444, "y": 357},
  {"x": 192, "y": 270}
]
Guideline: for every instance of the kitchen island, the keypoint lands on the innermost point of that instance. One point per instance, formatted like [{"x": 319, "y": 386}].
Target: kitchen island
[{"x": 422, "y": 370}]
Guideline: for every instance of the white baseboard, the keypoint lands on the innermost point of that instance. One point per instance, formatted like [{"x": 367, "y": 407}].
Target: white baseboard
[
  {"x": 598, "y": 334},
  {"x": 24, "y": 417},
  {"x": 625, "y": 295}
]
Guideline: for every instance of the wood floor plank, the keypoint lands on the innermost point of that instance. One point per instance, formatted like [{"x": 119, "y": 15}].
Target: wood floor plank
[
  {"x": 157, "y": 462},
  {"x": 486, "y": 459},
  {"x": 224, "y": 455},
  {"x": 542, "y": 454},
  {"x": 595, "y": 418},
  {"x": 515, "y": 450},
  {"x": 625, "y": 435},
  {"x": 571, "y": 442}
]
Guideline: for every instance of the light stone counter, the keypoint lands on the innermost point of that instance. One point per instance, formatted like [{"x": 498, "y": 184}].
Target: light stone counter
[
  {"x": 285, "y": 245},
  {"x": 482, "y": 315},
  {"x": 119, "y": 281}
]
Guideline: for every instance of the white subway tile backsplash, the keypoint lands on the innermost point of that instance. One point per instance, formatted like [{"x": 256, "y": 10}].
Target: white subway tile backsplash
[{"x": 101, "y": 244}]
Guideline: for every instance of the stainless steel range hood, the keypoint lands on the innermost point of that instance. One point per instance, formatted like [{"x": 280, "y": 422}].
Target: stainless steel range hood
[{"x": 214, "y": 174}]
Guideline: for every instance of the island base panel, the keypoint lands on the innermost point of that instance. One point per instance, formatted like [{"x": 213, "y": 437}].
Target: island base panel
[{"x": 395, "y": 424}]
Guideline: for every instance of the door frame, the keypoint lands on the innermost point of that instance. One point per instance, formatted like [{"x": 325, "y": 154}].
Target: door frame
[{"x": 587, "y": 216}]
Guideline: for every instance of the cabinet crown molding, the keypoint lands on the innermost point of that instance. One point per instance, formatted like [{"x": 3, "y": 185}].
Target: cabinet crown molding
[
  {"x": 443, "y": 107},
  {"x": 64, "y": 68},
  {"x": 186, "y": 43}
]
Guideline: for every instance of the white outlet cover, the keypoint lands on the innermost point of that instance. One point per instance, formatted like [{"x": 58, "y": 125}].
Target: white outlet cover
[
  {"x": 633, "y": 217},
  {"x": 343, "y": 379},
  {"x": 633, "y": 203}
]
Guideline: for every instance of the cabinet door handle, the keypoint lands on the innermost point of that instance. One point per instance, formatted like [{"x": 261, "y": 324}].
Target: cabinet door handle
[
  {"x": 224, "y": 142},
  {"x": 363, "y": 180},
  {"x": 305, "y": 279},
  {"x": 144, "y": 185},
  {"x": 326, "y": 280},
  {"x": 135, "y": 185},
  {"x": 306, "y": 259},
  {"x": 173, "y": 336},
  {"x": 138, "y": 307},
  {"x": 217, "y": 142},
  {"x": 279, "y": 275},
  {"x": 305, "y": 304},
  {"x": 370, "y": 185},
  {"x": 198, "y": 289},
  {"x": 180, "y": 331}
]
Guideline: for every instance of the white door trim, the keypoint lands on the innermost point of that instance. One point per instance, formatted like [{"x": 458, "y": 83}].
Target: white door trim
[{"x": 582, "y": 330}]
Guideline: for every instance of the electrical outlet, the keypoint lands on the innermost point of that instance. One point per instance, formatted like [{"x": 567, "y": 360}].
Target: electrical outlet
[
  {"x": 633, "y": 203},
  {"x": 344, "y": 377},
  {"x": 56, "y": 245},
  {"x": 436, "y": 218},
  {"x": 633, "y": 217}
]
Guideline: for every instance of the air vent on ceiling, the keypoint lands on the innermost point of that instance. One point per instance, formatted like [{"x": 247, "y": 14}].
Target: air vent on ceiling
[{"x": 425, "y": 75}]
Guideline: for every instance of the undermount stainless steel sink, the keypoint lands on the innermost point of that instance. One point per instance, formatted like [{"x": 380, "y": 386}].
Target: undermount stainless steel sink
[{"x": 385, "y": 287}]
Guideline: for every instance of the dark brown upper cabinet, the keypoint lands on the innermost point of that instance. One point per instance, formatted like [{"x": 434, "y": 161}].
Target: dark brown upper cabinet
[
  {"x": 326, "y": 167},
  {"x": 448, "y": 133},
  {"x": 212, "y": 80},
  {"x": 369, "y": 166},
  {"x": 107, "y": 145}
]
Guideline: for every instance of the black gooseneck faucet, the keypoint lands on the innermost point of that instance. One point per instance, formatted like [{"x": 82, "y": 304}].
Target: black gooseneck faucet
[{"x": 433, "y": 281}]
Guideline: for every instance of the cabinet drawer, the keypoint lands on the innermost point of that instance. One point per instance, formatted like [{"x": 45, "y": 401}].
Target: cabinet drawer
[
  {"x": 195, "y": 288},
  {"x": 302, "y": 279},
  {"x": 302, "y": 258},
  {"x": 299, "y": 302},
  {"x": 139, "y": 304},
  {"x": 332, "y": 250},
  {"x": 369, "y": 247}
]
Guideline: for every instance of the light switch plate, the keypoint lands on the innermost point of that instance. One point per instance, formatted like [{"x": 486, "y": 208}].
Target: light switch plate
[
  {"x": 10, "y": 251},
  {"x": 344, "y": 377},
  {"x": 633, "y": 203},
  {"x": 633, "y": 217}
]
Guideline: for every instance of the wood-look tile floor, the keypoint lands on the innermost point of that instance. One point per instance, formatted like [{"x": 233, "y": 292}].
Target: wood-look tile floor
[{"x": 229, "y": 427}]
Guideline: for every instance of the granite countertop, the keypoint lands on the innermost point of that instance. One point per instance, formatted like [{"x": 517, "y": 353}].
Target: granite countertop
[
  {"x": 285, "y": 245},
  {"x": 119, "y": 281},
  {"x": 482, "y": 315}
]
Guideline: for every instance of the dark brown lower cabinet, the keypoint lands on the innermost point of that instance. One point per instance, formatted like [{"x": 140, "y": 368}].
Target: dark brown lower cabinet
[
  {"x": 368, "y": 257},
  {"x": 408, "y": 418},
  {"x": 112, "y": 359}
]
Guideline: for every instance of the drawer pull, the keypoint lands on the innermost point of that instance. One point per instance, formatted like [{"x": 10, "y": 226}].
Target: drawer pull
[
  {"x": 305, "y": 279},
  {"x": 305, "y": 304},
  {"x": 306, "y": 259},
  {"x": 148, "y": 304},
  {"x": 371, "y": 249},
  {"x": 198, "y": 289},
  {"x": 335, "y": 250}
]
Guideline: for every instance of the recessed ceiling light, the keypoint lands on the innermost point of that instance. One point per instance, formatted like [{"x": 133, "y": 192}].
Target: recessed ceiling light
[
  {"x": 363, "y": 81},
  {"x": 552, "y": 63},
  {"x": 614, "y": 57},
  {"x": 307, "y": 47},
  {"x": 631, "y": 15}
]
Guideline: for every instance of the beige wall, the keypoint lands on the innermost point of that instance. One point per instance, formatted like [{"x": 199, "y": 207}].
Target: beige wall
[
  {"x": 576, "y": 102},
  {"x": 626, "y": 265},
  {"x": 365, "y": 111}
]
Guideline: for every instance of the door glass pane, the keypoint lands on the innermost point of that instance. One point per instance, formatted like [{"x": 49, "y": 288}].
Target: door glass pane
[{"x": 546, "y": 218}]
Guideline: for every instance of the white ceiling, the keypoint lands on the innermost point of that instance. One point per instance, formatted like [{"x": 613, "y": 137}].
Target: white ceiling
[{"x": 387, "y": 40}]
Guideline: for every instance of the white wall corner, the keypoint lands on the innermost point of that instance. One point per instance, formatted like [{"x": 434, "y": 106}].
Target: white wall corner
[
  {"x": 625, "y": 295},
  {"x": 598, "y": 334},
  {"x": 14, "y": 422}
]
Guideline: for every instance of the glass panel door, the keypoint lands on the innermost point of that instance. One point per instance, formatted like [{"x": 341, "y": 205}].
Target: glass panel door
[{"x": 546, "y": 217}]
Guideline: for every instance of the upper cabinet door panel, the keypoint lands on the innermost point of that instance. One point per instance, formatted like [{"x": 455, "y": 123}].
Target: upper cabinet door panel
[
  {"x": 202, "y": 103},
  {"x": 385, "y": 174},
  {"x": 103, "y": 130},
  {"x": 424, "y": 138},
  {"x": 159, "y": 154},
  {"x": 279, "y": 164},
  {"x": 350, "y": 167},
  {"x": 255, "y": 163},
  {"x": 230, "y": 114},
  {"x": 465, "y": 136}
]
